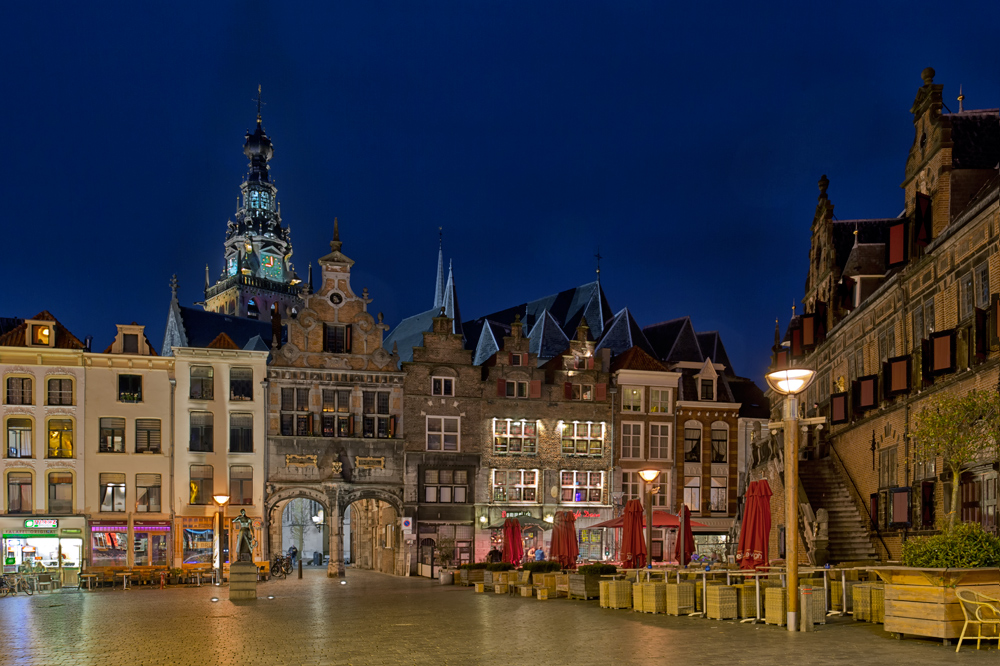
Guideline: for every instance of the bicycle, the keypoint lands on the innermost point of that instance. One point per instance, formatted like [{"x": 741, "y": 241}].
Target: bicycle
[
  {"x": 12, "y": 587},
  {"x": 281, "y": 566}
]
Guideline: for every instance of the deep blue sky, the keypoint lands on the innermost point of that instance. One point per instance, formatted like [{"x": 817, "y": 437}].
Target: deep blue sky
[{"x": 685, "y": 140}]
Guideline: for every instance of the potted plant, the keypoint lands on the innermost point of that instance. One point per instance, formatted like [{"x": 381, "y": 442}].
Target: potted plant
[
  {"x": 175, "y": 576},
  {"x": 445, "y": 555},
  {"x": 585, "y": 583}
]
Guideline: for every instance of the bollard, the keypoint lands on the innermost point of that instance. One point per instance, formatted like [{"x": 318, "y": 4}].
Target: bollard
[
  {"x": 163, "y": 576},
  {"x": 300, "y": 568},
  {"x": 805, "y": 608}
]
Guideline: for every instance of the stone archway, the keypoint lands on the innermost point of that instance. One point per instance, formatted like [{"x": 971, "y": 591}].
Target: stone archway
[
  {"x": 374, "y": 540},
  {"x": 275, "y": 505}
]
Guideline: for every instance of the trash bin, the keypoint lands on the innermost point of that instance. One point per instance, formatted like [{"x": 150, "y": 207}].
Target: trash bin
[{"x": 317, "y": 559}]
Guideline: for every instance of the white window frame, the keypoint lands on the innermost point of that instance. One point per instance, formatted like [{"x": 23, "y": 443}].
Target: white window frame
[
  {"x": 502, "y": 437},
  {"x": 582, "y": 431},
  {"x": 583, "y": 392},
  {"x": 517, "y": 389},
  {"x": 720, "y": 485},
  {"x": 442, "y": 419},
  {"x": 718, "y": 426},
  {"x": 632, "y": 399},
  {"x": 521, "y": 485},
  {"x": 661, "y": 405},
  {"x": 586, "y": 486},
  {"x": 452, "y": 487},
  {"x": 981, "y": 275},
  {"x": 692, "y": 493},
  {"x": 631, "y": 486},
  {"x": 634, "y": 450},
  {"x": 664, "y": 442},
  {"x": 443, "y": 392}
]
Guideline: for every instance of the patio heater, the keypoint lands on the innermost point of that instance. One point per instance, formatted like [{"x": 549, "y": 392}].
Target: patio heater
[
  {"x": 221, "y": 500},
  {"x": 789, "y": 382},
  {"x": 649, "y": 476}
]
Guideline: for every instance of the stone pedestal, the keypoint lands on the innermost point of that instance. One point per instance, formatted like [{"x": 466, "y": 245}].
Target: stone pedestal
[{"x": 242, "y": 581}]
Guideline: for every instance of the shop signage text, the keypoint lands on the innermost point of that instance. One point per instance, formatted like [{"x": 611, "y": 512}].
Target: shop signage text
[
  {"x": 369, "y": 462},
  {"x": 514, "y": 514},
  {"x": 42, "y": 523},
  {"x": 586, "y": 514}
]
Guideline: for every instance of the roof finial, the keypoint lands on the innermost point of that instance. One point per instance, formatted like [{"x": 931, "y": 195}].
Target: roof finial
[
  {"x": 961, "y": 99},
  {"x": 259, "y": 104},
  {"x": 777, "y": 333},
  {"x": 173, "y": 287},
  {"x": 336, "y": 230},
  {"x": 439, "y": 281},
  {"x": 855, "y": 234},
  {"x": 793, "y": 309},
  {"x": 598, "y": 257},
  {"x": 206, "y": 276}
]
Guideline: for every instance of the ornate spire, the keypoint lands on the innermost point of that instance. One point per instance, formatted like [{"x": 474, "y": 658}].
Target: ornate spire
[
  {"x": 439, "y": 283},
  {"x": 335, "y": 244},
  {"x": 598, "y": 257},
  {"x": 961, "y": 99},
  {"x": 173, "y": 287}
]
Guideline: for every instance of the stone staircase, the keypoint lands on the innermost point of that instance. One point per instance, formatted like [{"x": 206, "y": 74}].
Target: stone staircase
[{"x": 848, "y": 529}]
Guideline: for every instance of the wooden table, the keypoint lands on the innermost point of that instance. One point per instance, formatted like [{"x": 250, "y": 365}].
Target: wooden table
[
  {"x": 124, "y": 576},
  {"x": 89, "y": 577}
]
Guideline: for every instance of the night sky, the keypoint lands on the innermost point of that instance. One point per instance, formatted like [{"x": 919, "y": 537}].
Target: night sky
[{"x": 682, "y": 139}]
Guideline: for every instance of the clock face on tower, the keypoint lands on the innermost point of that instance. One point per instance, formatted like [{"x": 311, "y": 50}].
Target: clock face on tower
[{"x": 336, "y": 298}]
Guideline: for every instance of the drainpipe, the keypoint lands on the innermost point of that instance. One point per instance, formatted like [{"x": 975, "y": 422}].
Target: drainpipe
[
  {"x": 265, "y": 531},
  {"x": 173, "y": 399},
  {"x": 612, "y": 390}
]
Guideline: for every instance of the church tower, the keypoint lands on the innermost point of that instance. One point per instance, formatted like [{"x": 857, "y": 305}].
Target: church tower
[{"x": 258, "y": 275}]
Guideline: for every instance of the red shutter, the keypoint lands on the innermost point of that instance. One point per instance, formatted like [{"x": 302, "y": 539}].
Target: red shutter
[
  {"x": 847, "y": 293},
  {"x": 392, "y": 426},
  {"x": 568, "y": 391},
  {"x": 536, "y": 389},
  {"x": 590, "y": 363},
  {"x": 924, "y": 220},
  {"x": 501, "y": 388},
  {"x": 896, "y": 249},
  {"x": 350, "y": 425},
  {"x": 781, "y": 359},
  {"x": 809, "y": 330},
  {"x": 926, "y": 365},
  {"x": 602, "y": 392},
  {"x": 510, "y": 358},
  {"x": 347, "y": 338},
  {"x": 796, "y": 341}
]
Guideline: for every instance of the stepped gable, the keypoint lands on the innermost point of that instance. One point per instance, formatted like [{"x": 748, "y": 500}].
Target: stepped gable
[
  {"x": 546, "y": 338},
  {"x": 17, "y": 336},
  {"x": 623, "y": 333},
  {"x": 636, "y": 358}
]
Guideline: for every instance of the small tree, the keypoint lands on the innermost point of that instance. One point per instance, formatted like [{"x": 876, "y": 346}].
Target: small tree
[
  {"x": 446, "y": 551},
  {"x": 960, "y": 429}
]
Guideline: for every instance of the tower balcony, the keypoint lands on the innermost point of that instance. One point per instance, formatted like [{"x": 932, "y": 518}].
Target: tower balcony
[{"x": 251, "y": 281}]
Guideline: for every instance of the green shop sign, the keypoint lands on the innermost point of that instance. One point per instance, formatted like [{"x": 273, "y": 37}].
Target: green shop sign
[{"x": 42, "y": 523}]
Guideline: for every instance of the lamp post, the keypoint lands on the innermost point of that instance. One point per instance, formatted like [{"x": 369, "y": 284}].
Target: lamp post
[
  {"x": 649, "y": 476},
  {"x": 789, "y": 382},
  {"x": 221, "y": 500}
]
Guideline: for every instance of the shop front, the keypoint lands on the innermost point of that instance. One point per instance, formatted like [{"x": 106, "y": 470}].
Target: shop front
[
  {"x": 593, "y": 543},
  {"x": 150, "y": 543},
  {"x": 195, "y": 541},
  {"x": 108, "y": 544},
  {"x": 44, "y": 545}
]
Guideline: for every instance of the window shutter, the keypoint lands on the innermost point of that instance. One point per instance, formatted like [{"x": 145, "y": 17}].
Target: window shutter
[
  {"x": 995, "y": 319},
  {"x": 347, "y": 338},
  {"x": 847, "y": 293},
  {"x": 838, "y": 408},
  {"x": 942, "y": 347},
  {"x": 568, "y": 391},
  {"x": 887, "y": 380},
  {"x": 982, "y": 327},
  {"x": 896, "y": 248},
  {"x": 501, "y": 388},
  {"x": 796, "y": 335},
  {"x": 536, "y": 388},
  {"x": 855, "y": 397},
  {"x": 809, "y": 330},
  {"x": 820, "y": 322},
  {"x": 900, "y": 507},
  {"x": 781, "y": 359},
  {"x": 510, "y": 358},
  {"x": 924, "y": 220},
  {"x": 601, "y": 392},
  {"x": 927, "y": 504},
  {"x": 590, "y": 363},
  {"x": 350, "y": 425},
  {"x": 392, "y": 426},
  {"x": 873, "y": 509}
]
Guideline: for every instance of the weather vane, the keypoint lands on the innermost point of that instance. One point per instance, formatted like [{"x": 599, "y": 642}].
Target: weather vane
[
  {"x": 259, "y": 103},
  {"x": 598, "y": 257}
]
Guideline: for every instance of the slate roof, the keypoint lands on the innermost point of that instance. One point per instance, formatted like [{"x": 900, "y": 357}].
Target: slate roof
[
  {"x": 869, "y": 231},
  {"x": 491, "y": 335},
  {"x": 623, "y": 333},
  {"x": 566, "y": 307},
  {"x": 675, "y": 341},
  {"x": 16, "y": 336},
  {"x": 9, "y": 324},
  {"x": 753, "y": 403},
  {"x": 711, "y": 346},
  {"x": 866, "y": 259},
  {"x": 688, "y": 387},
  {"x": 546, "y": 338},
  {"x": 636, "y": 358},
  {"x": 203, "y": 327},
  {"x": 410, "y": 332},
  {"x": 976, "y": 138}
]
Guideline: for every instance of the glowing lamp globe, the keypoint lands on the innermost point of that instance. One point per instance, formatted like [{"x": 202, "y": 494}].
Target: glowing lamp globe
[
  {"x": 221, "y": 499},
  {"x": 649, "y": 475},
  {"x": 790, "y": 381}
]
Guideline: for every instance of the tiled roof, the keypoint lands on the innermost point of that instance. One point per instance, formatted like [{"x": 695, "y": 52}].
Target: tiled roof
[
  {"x": 623, "y": 333},
  {"x": 9, "y": 324},
  {"x": 976, "y": 139},
  {"x": 222, "y": 341},
  {"x": 490, "y": 341},
  {"x": 636, "y": 358},
  {"x": 410, "y": 332},
  {"x": 869, "y": 231},
  {"x": 865, "y": 259},
  {"x": 16, "y": 337}
]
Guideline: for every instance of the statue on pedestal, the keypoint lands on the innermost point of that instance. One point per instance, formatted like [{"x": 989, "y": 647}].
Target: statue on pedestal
[{"x": 245, "y": 541}]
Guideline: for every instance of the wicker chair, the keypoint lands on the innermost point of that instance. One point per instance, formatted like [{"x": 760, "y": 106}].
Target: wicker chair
[{"x": 979, "y": 610}]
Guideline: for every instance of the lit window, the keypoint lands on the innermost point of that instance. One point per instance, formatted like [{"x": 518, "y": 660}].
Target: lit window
[
  {"x": 41, "y": 334},
  {"x": 583, "y": 392},
  {"x": 659, "y": 401},
  {"x": 60, "y": 438},
  {"x": 112, "y": 439},
  {"x": 582, "y": 439},
  {"x": 112, "y": 492},
  {"x": 147, "y": 493},
  {"x": 631, "y": 399},
  {"x": 201, "y": 488},
  {"x": 515, "y": 485},
  {"x": 515, "y": 436},
  {"x": 692, "y": 493},
  {"x": 582, "y": 487}
]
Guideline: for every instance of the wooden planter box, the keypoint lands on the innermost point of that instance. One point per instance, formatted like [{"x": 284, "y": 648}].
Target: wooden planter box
[
  {"x": 922, "y": 602},
  {"x": 462, "y": 577},
  {"x": 473, "y": 576},
  {"x": 488, "y": 576},
  {"x": 584, "y": 587}
]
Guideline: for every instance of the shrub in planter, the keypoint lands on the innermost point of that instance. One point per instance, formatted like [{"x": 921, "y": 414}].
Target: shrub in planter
[
  {"x": 965, "y": 546},
  {"x": 597, "y": 569},
  {"x": 499, "y": 566},
  {"x": 542, "y": 567},
  {"x": 473, "y": 565}
]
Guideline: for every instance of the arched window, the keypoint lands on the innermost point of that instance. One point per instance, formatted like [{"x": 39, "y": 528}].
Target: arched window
[
  {"x": 252, "y": 310},
  {"x": 692, "y": 441},
  {"x": 720, "y": 442}
]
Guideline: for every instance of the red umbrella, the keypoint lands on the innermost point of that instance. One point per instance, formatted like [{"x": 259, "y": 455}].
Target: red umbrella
[
  {"x": 564, "y": 548},
  {"x": 660, "y": 519},
  {"x": 633, "y": 548},
  {"x": 755, "y": 532},
  {"x": 684, "y": 549},
  {"x": 513, "y": 551}
]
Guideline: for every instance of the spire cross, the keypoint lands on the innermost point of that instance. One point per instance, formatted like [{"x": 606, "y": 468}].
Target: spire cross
[
  {"x": 598, "y": 257},
  {"x": 259, "y": 103}
]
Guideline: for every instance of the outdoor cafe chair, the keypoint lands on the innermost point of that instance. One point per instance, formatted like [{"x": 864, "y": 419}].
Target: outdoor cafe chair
[
  {"x": 979, "y": 610},
  {"x": 44, "y": 581}
]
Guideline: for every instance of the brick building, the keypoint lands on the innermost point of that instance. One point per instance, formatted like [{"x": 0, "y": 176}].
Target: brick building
[{"x": 897, "y": 310}]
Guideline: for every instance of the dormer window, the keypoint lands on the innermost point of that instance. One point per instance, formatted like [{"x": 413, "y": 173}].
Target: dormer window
[
  {"x": 41, "y": 334},
  {"x": 130, "y": 343},
  {"x": 707, "y": 389}
]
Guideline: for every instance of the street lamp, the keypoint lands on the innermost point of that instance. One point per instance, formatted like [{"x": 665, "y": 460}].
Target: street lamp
[
  {"x": 221, "y": 500},
  {"x": 789, "y": 382},
  {"x": 649, "y": 476},
  {"x": 318, "y": 520}
]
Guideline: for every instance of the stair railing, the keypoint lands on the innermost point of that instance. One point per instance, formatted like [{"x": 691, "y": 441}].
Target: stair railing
[{"x": 859, "y": 499}]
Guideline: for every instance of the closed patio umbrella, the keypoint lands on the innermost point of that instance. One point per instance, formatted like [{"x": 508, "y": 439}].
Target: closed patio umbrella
[
  {"x": 684, "y": 550},
  {"x": 564, "y": 548},
  {"x": 513, "y": 551},
  {"x": 633, "y": 548},
  {"x": 755, "y": 532}
]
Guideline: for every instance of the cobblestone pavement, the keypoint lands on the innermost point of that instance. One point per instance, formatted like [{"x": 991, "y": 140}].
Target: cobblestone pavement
[{"x": 380, "y": 619}]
